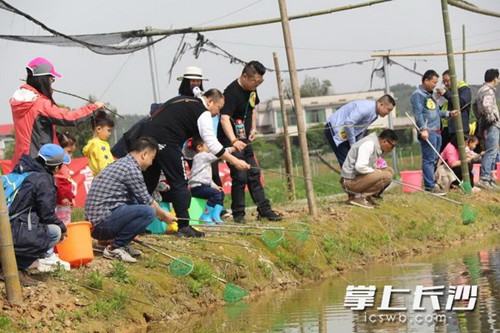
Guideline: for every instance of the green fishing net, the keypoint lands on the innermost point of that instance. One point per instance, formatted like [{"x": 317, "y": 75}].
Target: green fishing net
[
  {"x": 469, "y": 214},
  {"x": 272, "y": 237},
  {"x": 233, "y": 293},
  {"x": 466, "y": 186},
  {"x": 300, "y": 231},
  {"x": 180, "y": 266}
]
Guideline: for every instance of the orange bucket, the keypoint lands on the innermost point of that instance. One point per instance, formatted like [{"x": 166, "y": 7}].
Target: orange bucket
[{"x": 77, "y": 247}]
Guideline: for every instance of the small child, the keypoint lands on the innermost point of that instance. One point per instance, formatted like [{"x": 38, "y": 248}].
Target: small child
[
  {"x": 65, "y": 195},
  {"x": 471, "y": 142},
  {"x": 97, "y": 149},
  {"x": 202, "y": 185}
]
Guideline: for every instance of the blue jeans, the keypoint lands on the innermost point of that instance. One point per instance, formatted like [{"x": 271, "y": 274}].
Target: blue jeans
[
  {"x": 124, "y": 223},
  {"x": 340, "y": 151},
  {"x": 429, "y": 158},
  {"x": 54, "y": 235},
  {"x": 491, "y": 141},
  {"x": 214, "y": 196}
]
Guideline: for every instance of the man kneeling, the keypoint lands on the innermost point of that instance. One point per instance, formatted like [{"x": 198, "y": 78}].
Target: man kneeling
[
  {"x": 118, "y": 203},
  {"x": 361, "y": 178}
]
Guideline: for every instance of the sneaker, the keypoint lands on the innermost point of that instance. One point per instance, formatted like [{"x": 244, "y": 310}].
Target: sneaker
[
  {"x": 436, "y": 191},
  {"x": 189, "y": 232},
  {"x": 484, "y": 184},
  {"x": 225, "y": 214},
  {"x": 51, "y": 263},
  {"x": 239, "y": 219},
  {"x": 361, "y": 202},
  {"x": 476, "y": 189},
  {"x": 118, "y": 253},
  {"x": 133, "y": 252},
  {"x": 372, "y": 201},
  {"x": 26, "y": 280},
  {"x": 271, "y": 216},
  {"x": 494, "y": 185}
]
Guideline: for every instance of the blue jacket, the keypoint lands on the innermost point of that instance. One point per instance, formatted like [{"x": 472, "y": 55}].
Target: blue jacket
[
  {"x": 426, "y": 110},
  {"x": 349, "y": 123},
  {"x": 38, "y": 191}
]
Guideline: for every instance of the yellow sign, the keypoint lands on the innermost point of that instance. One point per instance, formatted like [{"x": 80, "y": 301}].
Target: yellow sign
[
  {"x": 252, "y": 99},
  {"x": 430, "y": 104}
]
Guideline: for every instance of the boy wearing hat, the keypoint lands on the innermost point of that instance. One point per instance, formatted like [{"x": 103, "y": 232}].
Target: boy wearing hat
[{"x": 35, "y": 226}]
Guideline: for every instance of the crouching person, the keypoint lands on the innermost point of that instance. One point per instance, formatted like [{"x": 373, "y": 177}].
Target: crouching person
[
  {"x": 35, "y": 227},
  {"x": 362, "y": 180},
  {"x": 118, "y": 203}
]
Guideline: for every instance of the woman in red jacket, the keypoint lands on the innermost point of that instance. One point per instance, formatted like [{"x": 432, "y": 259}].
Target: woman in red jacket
[{"x": 35, "y": 113}]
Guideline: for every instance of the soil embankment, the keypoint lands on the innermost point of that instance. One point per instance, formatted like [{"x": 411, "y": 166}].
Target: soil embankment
[{"x": 111, "y": 296}]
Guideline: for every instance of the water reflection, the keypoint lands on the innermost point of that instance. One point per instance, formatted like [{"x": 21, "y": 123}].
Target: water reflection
[{"x": 320, "y": 308}]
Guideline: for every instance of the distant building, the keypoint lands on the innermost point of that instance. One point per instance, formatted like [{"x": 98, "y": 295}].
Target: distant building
[
  {"x": 6, "y": 138},
  {"x": 316, "y": 111}
]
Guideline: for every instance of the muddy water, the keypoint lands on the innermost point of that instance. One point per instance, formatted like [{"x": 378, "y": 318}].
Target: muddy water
[{"x": 320, "y": 307}]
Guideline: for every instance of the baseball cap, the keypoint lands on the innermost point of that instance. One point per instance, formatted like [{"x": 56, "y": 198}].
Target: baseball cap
[
  {"x": 41, "y": 66},
  {"x": 53, "y": 154}
]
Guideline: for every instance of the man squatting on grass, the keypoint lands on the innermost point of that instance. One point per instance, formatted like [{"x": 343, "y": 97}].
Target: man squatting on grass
[
  {"x": 361, "y": 177},
  {"x": 119, "y": 205}
]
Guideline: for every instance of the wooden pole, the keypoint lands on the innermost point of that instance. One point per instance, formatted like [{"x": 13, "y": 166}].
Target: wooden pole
[
  {"x": 7, "y": 256},
  {"x": 426, "y": 54},
  {"x": 306, "y": 166},
  {"x": 288, "y": 147},
  {"x": 454, "y": 89},
  {"x": 387, "y": 90},
  {"x": 464, "y": 74}
]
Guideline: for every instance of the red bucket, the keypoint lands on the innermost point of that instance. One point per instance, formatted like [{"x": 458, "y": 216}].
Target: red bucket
[{"x": 413, "y": 178}]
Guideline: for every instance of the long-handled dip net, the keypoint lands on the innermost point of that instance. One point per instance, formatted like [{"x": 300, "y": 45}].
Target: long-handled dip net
[{"x": 178, "y": 267}]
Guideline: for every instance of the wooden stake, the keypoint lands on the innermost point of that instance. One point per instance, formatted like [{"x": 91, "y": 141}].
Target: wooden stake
[
  {"x": 7, "y": 256},
  {"x": 306, "y": 166},
  {"x": 288, "y": 147},
  {"x": 454, "y": 89}
]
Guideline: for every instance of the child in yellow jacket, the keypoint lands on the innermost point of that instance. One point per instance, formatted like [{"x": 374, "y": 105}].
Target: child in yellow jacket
[{"x": 97, "y": 149}]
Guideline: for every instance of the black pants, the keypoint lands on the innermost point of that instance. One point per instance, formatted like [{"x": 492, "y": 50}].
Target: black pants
[
  {"x": 458, "y": 171},
  {"x": 171, "y": 161},
  {"x": 242, "y": 178}
]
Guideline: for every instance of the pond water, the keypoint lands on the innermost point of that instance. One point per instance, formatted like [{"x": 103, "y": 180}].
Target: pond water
[{"x": 320, "y": 307}]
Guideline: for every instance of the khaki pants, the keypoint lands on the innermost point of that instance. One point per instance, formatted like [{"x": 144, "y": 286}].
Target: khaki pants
[{"x": 371, "y": 183}]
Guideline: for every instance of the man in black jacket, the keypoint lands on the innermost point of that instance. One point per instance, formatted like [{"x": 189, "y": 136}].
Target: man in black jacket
[
  {"x": 464, "y": 94},
  {"x": 178, "y": 120}
]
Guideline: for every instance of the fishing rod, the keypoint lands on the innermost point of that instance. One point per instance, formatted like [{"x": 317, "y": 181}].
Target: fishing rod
[
  {"x": 193, "y": 253},
  {"x": 84, "y": 99},
  {"x": 439, "y": 155}
]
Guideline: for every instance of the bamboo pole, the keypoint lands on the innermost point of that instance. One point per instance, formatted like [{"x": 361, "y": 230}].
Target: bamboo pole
[
  {"x": 422, "y": 54},
  {"x": 387, "y": 91},
  {"x": 472, "y": 8},
  {"x": 306, "y": 166},
  {"x": 7, "y": 256},
  {"x": 287, "y": 149},
  {"x": 464, "y": 72},
  {"x": 163, "y": 32},
  {"x": 454, "y": 89}
]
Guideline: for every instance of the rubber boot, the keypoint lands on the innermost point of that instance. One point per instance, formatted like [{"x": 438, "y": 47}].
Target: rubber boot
[
  {"x": 216, "y": 214},
  {"x": 207, "y": 215}
]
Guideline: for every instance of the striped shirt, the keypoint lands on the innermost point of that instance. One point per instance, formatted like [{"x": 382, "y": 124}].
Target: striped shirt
[{"x": 121, "y": 183}]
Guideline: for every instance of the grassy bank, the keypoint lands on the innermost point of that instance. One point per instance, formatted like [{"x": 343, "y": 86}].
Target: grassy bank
[{"x": 108, "y": 295}]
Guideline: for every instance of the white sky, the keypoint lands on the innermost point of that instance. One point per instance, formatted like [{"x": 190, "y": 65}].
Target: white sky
[{"x": 400, "y": 25}]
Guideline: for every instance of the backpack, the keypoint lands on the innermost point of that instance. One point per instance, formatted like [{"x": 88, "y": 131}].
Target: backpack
[{"x": 11, "y": 184}]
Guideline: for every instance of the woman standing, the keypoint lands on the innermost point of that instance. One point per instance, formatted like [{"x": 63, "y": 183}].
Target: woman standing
[{"x": 35, "y": 112}]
